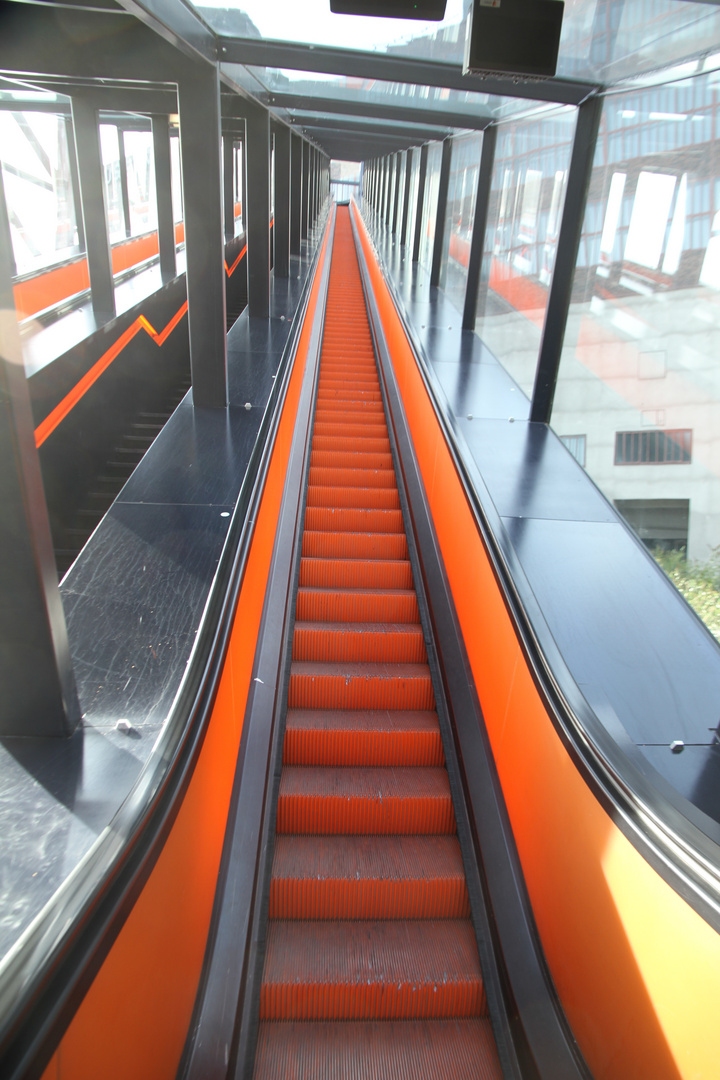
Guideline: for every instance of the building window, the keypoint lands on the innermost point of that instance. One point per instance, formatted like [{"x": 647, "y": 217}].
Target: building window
[
  {"x": 653, "y": 447},
  {"x": 576, "y": 446}
]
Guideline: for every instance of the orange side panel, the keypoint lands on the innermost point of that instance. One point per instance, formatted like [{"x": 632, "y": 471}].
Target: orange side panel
[
  {"x": 134, "y": 1018},
  {"x": 131, "y": 252},
  {"x": 637, "y": 969},
  {"x": 51, "y": 287}
]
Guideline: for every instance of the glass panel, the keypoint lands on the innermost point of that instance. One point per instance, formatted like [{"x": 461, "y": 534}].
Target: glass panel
[
  {"x": 140, "y": 164},
  {"x": 412, "y": 196},
  {"x": 401, "y": 192},
  {"x": 110, "y": 150},
  {"x": 459, "y": 216},
  {"x": 526, "y": 201},
  {"x": 238, "y": 187},
  {"x": 639, "y": 371},
  {"x": 345, "y": 180},
  {"x": 38, "y": 188},
  {"x": 432, "y": 183},
  {"x": 312, "y": 22}
]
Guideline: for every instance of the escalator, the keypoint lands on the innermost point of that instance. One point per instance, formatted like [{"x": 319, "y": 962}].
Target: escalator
[{"x": 371, "y": 954}]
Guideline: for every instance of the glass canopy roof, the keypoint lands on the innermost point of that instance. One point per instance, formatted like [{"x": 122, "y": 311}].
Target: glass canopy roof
[{"x": 603, "y": 41}]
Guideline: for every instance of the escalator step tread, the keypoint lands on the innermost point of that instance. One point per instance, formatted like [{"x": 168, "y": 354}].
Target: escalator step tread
[
  {"x": 336, "y": 444},
  {"x": 370, "y": 498},
  {"x": 381, "y": 1050},
  {"x": 354, "y": 801},
  {"x": 348, "y": 685},
  {"x": 353, "y": 519},
  {"x": 344, "y": 545},
  {"x": 356, "y": 573},
  {"x": 352, "y": 477},
  {"x": 368, "y": 877},
  {"x": 357, "y": 605},
  {"x": 343, "y": 970},
  {"x": 349, "y": 738},
  {"x": 399, "y": 643}
]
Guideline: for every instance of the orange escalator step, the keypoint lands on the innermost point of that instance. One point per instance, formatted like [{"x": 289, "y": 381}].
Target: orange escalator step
[
  {"x": 352, "y": 477},
  {"x": 337, "y": 801},
  {"x": 368, "y": 877},
  {"x": 353, "y": 519},
  {"x": 387, "y": 643},
  {"x": 336, "y": 444},
  {"x": 357, "y": 605},
  {"x": 359, "y": 737},
  {"x": 380, "y": 1050},
  {"x": 351, "y": 460},
  {"x": 354, "y": 545},
  {"x": 371, "y": 971},
  {"x": 356, "y": 573},
  {"x": 324, "y": 685}
]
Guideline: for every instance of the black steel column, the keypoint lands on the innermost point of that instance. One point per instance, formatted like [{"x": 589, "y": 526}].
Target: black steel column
[
  {"x": 421, "y": 201},
  {"x": 281, "y": 229},
  {"x": 38, "y": 687},
  {"x": 200, "y": 151},
  {"x": 581, "y": 164},
  {"x": 228, "y": 148},
  {"x": 396, "y": 193},
  {"x": 443, "y": 186},
  {"x": 406, "y": 200},
  {"x": 477, "y": 243},
  {"x": 257, "y": 198},
  {"x": 385, "y": 187},
  {"x": 90, "y": 171},
  {"x": 390, "y": 190},
  {"x": 163, "y": 189},
  {"x": 305, "y": 189},
  {"x": 75, "y": 180},
  {"x": 295, "y": 193}
]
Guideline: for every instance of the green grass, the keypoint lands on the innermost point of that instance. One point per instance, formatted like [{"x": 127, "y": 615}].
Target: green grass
[{"x": 698, "y": 582}]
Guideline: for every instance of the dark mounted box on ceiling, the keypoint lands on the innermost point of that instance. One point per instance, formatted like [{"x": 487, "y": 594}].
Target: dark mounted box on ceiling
[
  {"x": 514, "y": 37},
  {"x": 432, "y": 10}
]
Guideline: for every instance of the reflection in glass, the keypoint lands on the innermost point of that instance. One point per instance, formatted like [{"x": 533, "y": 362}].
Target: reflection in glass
[
  {"x": 38, "y": 188},
  {"x": 459, "y": 215},
  {"x": 432, "y": 182},
  {"x": 640, "y": 372},
  {"x": 140, "y": 165},
  {"x": 110, "y": 151},
  {"x": 527, "y": 196}
]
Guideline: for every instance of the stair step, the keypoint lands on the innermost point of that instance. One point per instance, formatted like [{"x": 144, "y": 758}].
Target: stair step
[
  {"x": 368, "y": 877},
  {"x": 356, "y": 573},
  {"x": 355, "y": 737},
  {"x": 353, "y": 519},
  {"x": 342, "y": 429},
  {"x": 326, "y": 685},
  {"x": 391, "y": 643},
  {"x": 355, "y": 801},
  {"x": 357, "y": 605},
  {"x": 352, "y": 477},
  {"x": 354, "y": 545},
  {"x": 364, "y": 498},
  {"x": 336, "y": 443},
  {"x": 388, "y": 1050},
  {"x": 371, "y": 971},
  {"x": 350, "y": 459}
]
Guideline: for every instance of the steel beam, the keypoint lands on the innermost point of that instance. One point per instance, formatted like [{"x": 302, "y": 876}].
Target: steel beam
[
  {"x": 420, "y": 202},
  {"x": 124, "y": 192},
  {"x": 90, "y": 171},
  {"x": 441, "y": 213},
  {"x": 558, "y": 306},
  {"x": 392, "y": 162},
  {"x": 477, "y": 243},
  {"x": 163, "y": 188},
  {"x": 424, "y": 113},
  {"x": 389, "y": 67},
  {"x": 281, "y": 228},
  {"x": 38, "y": 697},
  {"x": 396, "y": 193},
  {"x": 200, "y": 148},
  {"x": 257, "y": 221}
]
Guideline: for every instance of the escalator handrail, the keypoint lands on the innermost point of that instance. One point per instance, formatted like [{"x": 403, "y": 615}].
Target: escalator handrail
[{"x": 47, "y": 972}]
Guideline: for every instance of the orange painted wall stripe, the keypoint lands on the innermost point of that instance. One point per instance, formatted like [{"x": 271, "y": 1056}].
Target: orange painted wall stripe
[
  {"x": 636, "y": 968},
  {"x": 58, "y": 414}
]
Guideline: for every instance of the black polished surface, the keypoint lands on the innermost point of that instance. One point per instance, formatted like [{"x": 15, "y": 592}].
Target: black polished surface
[{"x": 634, "y": 648}]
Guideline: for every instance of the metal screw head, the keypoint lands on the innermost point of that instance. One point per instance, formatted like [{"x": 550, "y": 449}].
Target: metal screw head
[{"x": 677, "y": 746}]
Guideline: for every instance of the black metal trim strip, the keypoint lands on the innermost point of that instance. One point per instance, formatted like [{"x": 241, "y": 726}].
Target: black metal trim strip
[
  {"x": 56, "y": 960},
  {"x": 531, "y": 1033},
  {"x": 676, "y": 839}
]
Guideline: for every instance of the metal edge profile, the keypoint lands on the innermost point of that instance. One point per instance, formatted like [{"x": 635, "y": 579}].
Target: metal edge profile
[
  {"x": 677, "y": 839},
  {"x": 222, "y": 1034},
  {"x": 49, "y": 969},
  {"x": 532, "y": 1034}
]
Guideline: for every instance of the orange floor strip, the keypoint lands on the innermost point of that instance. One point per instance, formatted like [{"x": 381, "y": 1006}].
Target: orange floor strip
[{"x": 371, "y": 966}]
